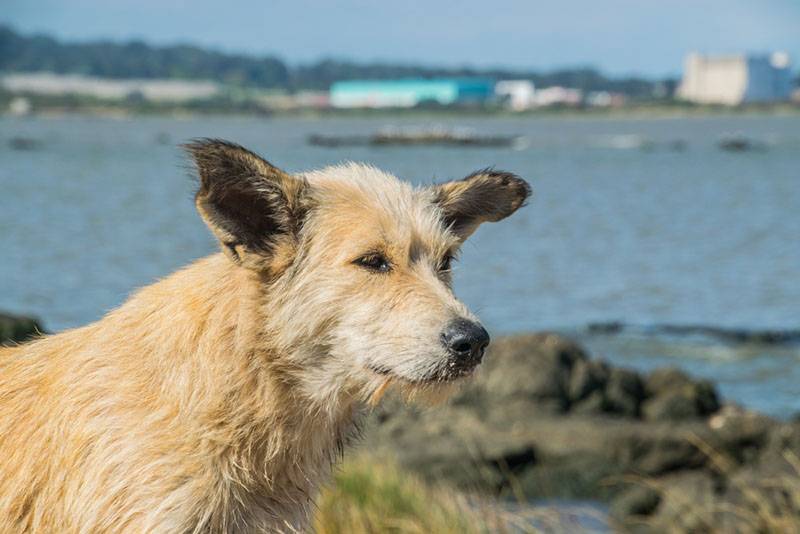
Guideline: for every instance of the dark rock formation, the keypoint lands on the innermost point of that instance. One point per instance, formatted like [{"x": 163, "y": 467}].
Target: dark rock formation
[
  {"x": 24, "y": 143},
  {"x": 544, "y": 419},
  {"x": 414, "y": 137},
  {"x": 672, "y": 395},
  {"x": 726, "y": 335},
  {"x": 740, "y": 143}
]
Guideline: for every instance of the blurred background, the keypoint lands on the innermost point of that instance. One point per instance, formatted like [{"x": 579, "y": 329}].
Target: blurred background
[{"x": 662, "y": 141}]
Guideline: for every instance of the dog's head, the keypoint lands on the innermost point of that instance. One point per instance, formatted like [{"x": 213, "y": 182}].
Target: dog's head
[{"x": 356, "y": 263}]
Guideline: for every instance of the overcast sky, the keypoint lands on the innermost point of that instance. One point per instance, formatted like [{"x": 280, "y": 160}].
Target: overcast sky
[{"x": 647, "y": 37}]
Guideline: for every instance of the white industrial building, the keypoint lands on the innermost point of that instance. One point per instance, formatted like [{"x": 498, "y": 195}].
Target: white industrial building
[
  {"x": 520, "y": 95},
  {"x": 736, "y": 79},
  {"x": 46, "y": 83},
  {"x": 516, "y": 94},
  {"x": 557, "y": 95}
]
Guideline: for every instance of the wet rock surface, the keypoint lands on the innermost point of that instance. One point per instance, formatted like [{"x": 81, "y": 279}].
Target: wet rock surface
[
  {"x": 544, "y": 419},
  {"x": 18, "y": 328}
]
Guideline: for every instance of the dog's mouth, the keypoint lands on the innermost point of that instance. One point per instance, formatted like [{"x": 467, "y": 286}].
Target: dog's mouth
[{"x": 444, "y": 374}]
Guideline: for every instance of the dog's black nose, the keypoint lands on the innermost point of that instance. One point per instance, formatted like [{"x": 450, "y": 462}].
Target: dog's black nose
[{"x": 465, "y": 340}]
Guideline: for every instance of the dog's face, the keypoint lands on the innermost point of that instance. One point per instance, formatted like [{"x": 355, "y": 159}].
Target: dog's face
[{"x": 358, "y": 262}]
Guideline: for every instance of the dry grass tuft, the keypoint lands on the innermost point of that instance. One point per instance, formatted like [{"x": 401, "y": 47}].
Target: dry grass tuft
[
  {"x": 373, "y": 495},
  {"x": 370, "y": 496}
]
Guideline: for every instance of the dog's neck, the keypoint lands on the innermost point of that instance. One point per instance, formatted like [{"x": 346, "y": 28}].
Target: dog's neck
[
  {"x": 219, "y": 319},
  {"x": 280, "y": 357}
]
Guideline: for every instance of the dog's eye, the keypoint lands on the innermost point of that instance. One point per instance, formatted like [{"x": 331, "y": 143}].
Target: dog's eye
[{"x": 374, "y": 262}]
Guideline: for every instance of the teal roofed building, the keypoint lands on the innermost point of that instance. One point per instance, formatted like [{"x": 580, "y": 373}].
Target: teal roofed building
[{"x": 409, "y": 93}]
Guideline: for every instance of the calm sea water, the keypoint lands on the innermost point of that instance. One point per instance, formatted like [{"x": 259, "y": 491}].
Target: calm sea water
[{"x": 623, "y": 226}]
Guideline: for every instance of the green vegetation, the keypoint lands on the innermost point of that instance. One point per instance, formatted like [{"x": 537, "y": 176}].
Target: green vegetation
[
  {"x": 136, "y": 60},
  {"x": 370, "y": 496},
  {"x": 19, "y": 53},
  {"x": 76, "y": 103}
]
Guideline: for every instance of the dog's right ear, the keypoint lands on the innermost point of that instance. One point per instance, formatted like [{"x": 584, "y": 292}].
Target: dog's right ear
[{"x": 253, "y": 208}]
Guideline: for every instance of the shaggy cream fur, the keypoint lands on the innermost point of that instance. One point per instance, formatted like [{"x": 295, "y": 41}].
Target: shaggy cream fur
[{"x": 217, "y": 399}]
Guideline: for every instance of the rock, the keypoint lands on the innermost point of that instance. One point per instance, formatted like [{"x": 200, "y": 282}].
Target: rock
[
  {"x": 612, "y": 327},
  {"x": 403, "y": 137},
  {"x": 727, "y": 335},
  {"x": 16, "y": 328},
  {"x": 672, "y": 395},
  {"x": 781, "y": 449},
  {"x": 706, "y": 398},
  {"x": 686, "y": 504},
  {"x": 544, "y": 419},
  {"x": 740, "y": 435},
  {"x": 674, "y": 405},
  {"x": 749, "y": 499},
  {"x": 588, "y": 376},
  {"x": 595, "y": 403},
  {"x": 24, "y": 143},
  {"x": 660, "y": 451},
  {"x": 740, "y": 143},
  {"x": 533, "y": 368},
  {"x": 661, "y": 381},
  {"x": 624, "y": 392},
  {"x": 636, "y": 501}
]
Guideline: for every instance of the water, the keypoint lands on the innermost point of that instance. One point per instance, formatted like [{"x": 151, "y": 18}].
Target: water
[{"x": 623, "y": 226}]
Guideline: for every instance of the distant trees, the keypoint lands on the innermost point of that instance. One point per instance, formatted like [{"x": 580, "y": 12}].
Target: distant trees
[{"x": 137, "y": 59}]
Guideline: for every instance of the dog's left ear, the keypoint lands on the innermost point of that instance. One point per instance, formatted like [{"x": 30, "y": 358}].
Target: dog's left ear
[
  {"x": 253, "y": 208},
  {"x": 483, "y": 196}
]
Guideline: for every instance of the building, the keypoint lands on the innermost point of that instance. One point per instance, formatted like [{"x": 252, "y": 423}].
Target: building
[
  {"x": 293, "y": 101},
  {"x": 558, "y": 96},
  {"x": 46, "y": 83},
  {"x": 516, "y": 94},
  {"x": 605, "y": 99},
  {"x": 736, "y": 79},
  {"x": 408, "y": 93}
]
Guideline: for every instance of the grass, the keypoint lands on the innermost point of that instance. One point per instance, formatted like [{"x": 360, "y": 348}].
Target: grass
[{"x": 369, "y": 495}]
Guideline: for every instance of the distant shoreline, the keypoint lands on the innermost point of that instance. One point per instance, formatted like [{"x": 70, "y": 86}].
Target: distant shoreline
[{"x": 190, "y": 110}]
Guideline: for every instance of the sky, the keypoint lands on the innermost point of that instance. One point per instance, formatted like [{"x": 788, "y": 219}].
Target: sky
[{"x": 621, "y": 37}]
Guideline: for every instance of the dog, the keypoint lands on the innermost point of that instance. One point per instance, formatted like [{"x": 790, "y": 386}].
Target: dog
[{"x": 218, "y": 399}]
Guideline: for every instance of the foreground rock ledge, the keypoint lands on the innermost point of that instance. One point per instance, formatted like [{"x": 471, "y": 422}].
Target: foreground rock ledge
[{"x": 543, "y": 419}]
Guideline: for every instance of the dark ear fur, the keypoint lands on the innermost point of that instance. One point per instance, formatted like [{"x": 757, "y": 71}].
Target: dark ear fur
[
  {"x": 486, "y": 195},
  {"x": 251, "y": 206}
]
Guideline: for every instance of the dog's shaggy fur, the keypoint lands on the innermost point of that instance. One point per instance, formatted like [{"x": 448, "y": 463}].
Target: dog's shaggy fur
[{"x": 217, "y": 399}]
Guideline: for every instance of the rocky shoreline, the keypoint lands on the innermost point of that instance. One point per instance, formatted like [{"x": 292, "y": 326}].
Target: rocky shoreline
[
  {"x": 544, "y": 420},
  {"x": 725, "y": 335}
]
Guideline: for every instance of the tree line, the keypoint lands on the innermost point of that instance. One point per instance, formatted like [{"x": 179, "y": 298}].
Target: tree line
[{"x": 137, "y": 59}]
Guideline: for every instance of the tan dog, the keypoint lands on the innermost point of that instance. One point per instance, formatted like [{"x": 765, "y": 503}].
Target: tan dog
[{"x": 217, "y": 399}]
